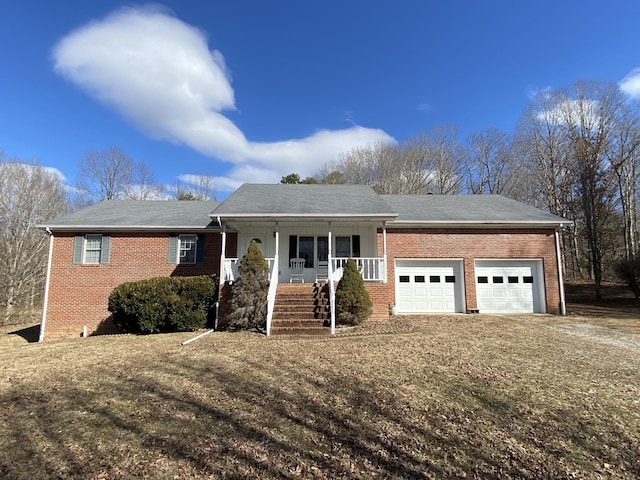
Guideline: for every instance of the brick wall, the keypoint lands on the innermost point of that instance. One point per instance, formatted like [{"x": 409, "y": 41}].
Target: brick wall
[
  {"x": 471, "y": 245},
  {"x": 78, "y": 294}
]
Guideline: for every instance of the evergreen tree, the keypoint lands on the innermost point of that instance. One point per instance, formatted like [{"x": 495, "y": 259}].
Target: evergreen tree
[
  {"x": 353, "y": 304},
  {"x": 249, "y": 294}
]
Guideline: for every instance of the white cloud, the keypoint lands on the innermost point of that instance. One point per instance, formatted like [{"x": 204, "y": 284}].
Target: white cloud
[
  {"x": 630, "y": 85},
  {"x": 159, "y": 73}
]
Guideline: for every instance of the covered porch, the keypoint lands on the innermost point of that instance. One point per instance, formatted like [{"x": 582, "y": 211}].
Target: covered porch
[{"x": 309, "y": 252}]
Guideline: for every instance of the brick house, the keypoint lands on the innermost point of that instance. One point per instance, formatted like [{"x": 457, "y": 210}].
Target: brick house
[{"x": 417, "y": 254}]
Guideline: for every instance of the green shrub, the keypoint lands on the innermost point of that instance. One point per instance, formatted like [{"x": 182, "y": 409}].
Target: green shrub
[
  {"x": 629, "y": 271},
  {"x": 249, "y": 293},
  {"x": 164, "y": 304},
  {"x": 353, "y": 305}
]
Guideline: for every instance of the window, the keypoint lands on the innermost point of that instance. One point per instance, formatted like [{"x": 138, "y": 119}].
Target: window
[
  {"x": 483, "y": 279},
  {"x": 512, "y": 279},
  {"x": 187, "y": 248},
  {"x": 527, "y": 279},
  {"x": 450, "y": 279},
  {"x": 343, "y": 247},
  {"x": 91, "y": 249},
  {"x": 404, "y": 278},
  {"x": 305, "y": 250},
  {"x": 434, "y": 278},
  {"x": 498, "y": 280},
  {"x": 419, "y": 279}
]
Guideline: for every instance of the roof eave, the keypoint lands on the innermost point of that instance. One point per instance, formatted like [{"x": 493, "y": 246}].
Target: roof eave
[
  {"x": 128, "y": 228},
  {"x": 304, "y": 217},
  {"x": 479, "y": 224}
]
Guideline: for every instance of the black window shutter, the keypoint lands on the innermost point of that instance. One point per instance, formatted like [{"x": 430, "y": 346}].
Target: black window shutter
[
  {"x": 293, "y": 246},
  {"x": 355, "y": 245},
  {"x": 200, "y": 249}
]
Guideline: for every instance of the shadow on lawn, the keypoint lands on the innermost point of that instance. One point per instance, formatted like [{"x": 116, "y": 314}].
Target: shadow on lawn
[
  {"x": 30, "y": 334},
  {"x": 200, "y": 420}
]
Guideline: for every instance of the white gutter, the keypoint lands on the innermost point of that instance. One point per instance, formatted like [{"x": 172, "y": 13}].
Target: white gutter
[
  {"x": 45, "y": 302},
  {"x": 563, "y": 306}
]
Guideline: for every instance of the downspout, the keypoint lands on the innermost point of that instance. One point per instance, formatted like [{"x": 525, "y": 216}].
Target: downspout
[
  {"x": 45, "y": 302},
  {"x": 559, "y": 261}
]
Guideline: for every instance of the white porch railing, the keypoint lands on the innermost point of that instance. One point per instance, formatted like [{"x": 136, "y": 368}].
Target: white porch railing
[
  {"x": 372, "y": 269},
  {"x": 231, "y": 268}
]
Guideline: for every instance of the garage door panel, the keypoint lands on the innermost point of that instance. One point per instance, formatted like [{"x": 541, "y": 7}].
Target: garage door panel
[
  {"x": 507, "y": 286},
  {"x": 428, "y": 286}
]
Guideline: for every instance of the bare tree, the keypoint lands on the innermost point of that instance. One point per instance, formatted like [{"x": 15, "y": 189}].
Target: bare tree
[
  {"x": 196, "y": 187},
  {"x": 443, "y": 160},
  {"x": 29, "y": 195},
  {"x": 145, "y": 187},
  {"x": 588, "y": 112},
  {"x": 491, "y": 166},
  {"x": 111, "y": 174}
]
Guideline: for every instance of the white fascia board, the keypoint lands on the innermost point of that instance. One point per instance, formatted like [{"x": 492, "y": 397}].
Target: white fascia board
[
  {"x": 127, "y": 228},
  {"x": 475, "y": 224},
  {"x": 317, "y": 217}
]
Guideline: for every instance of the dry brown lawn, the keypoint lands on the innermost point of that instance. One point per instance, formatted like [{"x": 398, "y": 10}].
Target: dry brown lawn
[{"x": 431, "y": 397}]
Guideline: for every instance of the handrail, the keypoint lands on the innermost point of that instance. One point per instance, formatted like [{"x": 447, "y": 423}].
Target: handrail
[
  {"x": 332, "y": 297},
  {"x": 271, "y": 296}
]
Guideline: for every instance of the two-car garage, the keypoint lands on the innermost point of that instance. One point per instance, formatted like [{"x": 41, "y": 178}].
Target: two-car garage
[{"x": 438, "y": 286}]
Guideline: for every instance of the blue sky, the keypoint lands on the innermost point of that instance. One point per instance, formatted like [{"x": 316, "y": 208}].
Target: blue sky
[{"x": 249, "y": 91}]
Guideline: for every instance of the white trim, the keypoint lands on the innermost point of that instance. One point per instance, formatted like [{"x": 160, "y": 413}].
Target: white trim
[{"x": 45, "y": 302}]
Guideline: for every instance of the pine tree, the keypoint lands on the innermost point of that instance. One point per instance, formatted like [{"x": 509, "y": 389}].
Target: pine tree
[
  {"x": 353, "y": 304},
  {"x": 249, "y": 294}
]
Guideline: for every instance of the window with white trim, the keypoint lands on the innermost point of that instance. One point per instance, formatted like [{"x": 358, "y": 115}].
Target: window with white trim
[
  {"x": 91, "y": 249},
  {"x": 187, "y": 245}
]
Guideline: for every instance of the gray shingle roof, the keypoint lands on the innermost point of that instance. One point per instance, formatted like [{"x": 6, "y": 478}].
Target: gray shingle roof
[
  {"x": 139, "y": 215},
  {"x": 466, "y": 209},
  {"x": 305, "y": 201},
  {"x": 319, "y": 201}
]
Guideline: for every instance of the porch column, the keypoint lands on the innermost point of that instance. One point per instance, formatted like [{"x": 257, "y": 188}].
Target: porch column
[
  {"x": 277, "y": 237},
  {"x": 384, "y": 249},
  {"x": 332, "y": 296}
]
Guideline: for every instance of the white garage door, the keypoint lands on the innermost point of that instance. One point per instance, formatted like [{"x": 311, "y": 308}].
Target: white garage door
[
  {"x": 428, "y": 286},
  {"x": 509, "y": 286}
]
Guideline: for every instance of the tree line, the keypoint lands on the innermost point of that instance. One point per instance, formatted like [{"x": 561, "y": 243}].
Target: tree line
[{"x": 575, "y": 154}]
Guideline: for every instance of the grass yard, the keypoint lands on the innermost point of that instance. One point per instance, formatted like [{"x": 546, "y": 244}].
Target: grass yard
[{"x": 433, "y": 397}]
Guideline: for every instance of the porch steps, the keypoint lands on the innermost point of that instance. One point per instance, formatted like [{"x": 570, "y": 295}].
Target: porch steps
[{"x": 301, "y": 309}]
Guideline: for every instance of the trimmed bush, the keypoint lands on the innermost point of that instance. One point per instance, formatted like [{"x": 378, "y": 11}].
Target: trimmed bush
[
  {"x": 164, "y": 304},
  {"x": 353, "y": 305},
  {"x": 249, "y": 293}
]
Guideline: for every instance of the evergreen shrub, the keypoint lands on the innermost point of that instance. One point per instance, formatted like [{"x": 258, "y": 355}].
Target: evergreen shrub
[
  {"x": 353, "y": 305},
  {"x": 248, "y": 309},
  {"x": 164, "y": 304}
]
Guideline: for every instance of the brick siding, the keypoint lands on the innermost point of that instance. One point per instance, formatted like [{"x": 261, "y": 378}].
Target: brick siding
[
  {"x": 78, "y": 294},
  {"x": 470, "y": 245}
]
